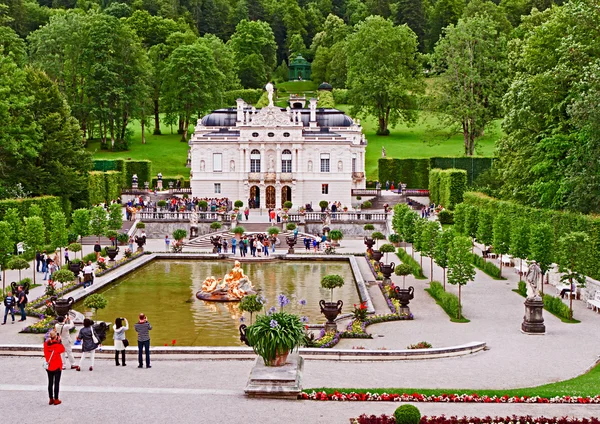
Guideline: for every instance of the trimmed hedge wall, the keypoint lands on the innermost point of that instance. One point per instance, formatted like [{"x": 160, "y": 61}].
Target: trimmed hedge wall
[
  {"x": 415, "y": 172},
  {"x": 96, "y": 188},
  {"x": 47, "y": 204},
  {"x": 184, "y": 183},
  {"x": 108, "y": 165},
  {"x": 412, "y": 172},
  {"x": 250, "y": 95},
  {"x": 113, "y": 181},
  {"x": 561, "y": 222},
  {"x": 447, "y": 186},
  {"x": 143, "y": 169}
]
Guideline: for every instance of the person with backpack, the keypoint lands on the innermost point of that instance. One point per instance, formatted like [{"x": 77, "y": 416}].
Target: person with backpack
[
  {"x": 22, "y": 302},
  {"x": 63, "y": 329},
  {"x": 89, "y": 343},
  {"x": 9, "y": 305}
]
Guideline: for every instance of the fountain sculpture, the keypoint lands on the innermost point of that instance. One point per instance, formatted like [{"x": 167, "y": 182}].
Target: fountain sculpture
[{"x": 231, "y": 288}]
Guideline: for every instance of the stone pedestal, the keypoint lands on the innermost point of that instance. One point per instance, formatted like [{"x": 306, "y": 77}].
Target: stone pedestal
[
  {"x": 404, "y": 310},
  {"x": 276, "y": 382},
  {"x": 330, "y": 327},
  {"x": 533, "y": 321},
  {"x": 159, "y": 185}
]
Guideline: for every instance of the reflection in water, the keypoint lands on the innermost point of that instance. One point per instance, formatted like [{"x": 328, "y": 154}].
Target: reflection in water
[{"x": 165, "y": 292}]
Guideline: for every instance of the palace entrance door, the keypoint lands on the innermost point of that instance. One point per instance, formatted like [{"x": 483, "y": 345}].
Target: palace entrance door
[
  {"x": 255, "y": 196},
  {"x": 286, "y": 195},
  {"x": 270, "y": 204}
]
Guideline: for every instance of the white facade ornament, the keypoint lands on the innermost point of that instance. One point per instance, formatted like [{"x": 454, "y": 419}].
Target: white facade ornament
[
  {"x": 270, "y": 116},
  {"x": 269, "y": 87}
]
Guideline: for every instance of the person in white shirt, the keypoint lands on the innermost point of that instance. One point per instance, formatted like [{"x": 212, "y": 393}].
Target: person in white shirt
[
  {"x": 63, "y": 329},
  {"x": 259, "y": 247},
  {"x": 88, "y": 275}
]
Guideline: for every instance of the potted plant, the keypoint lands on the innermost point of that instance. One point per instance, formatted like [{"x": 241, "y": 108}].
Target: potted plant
[
  {"x": 290, "y": 226},
  {"x": 203, "y": 205},
  {"x": 287, "y": 205},
  {"x": 369, "y": 242},
  {"x": 162, "y": 204},
  {"x": 75, "y": 247},
  {"x": 376, "y": 254},
  {"x": 403, "y": 270},
  {"x": 140, "y": 225},
  {"x": 323, "y": 205},
  {"x": 75, "y": 266},
  {"x": 216, "y": 226},
  {"x": 123, "y": 238},
  {"x": 179, "y": 234},
  {"x": 345, "y": 208},
  {"x": 19, "y": 264},
  {"x": 112, "y": 252},
  {"x": 94, "y": 302},
  {"x": 274, "y": 336},
  {"x": 387, "y": 269},
  {"x": 394, "y": 239},
  {"x": 238, "y": 231},
  {"x": 329, "y": 309},
  {"x": 335, "y": 236},
  {"x": 238, "y": 204}
]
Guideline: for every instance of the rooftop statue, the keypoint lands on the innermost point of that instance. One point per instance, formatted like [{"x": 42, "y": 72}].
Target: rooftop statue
[{"x": 269, "y": 87}]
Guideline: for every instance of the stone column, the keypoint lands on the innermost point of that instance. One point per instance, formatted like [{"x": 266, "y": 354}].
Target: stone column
[{"x": 533, "y": 321}]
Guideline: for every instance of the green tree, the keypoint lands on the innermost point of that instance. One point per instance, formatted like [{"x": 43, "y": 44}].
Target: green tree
[
  {"x": 384, "y": 73},
  {"x": 442, "y": 246},
  {"x": 418, "y": 240},
  {"x": 573, "y": 255},
  {"x": 408, "y": 229},
  {"x": 80, "y": 224},
  {"x": 430, "y": 236},
  {"x": 485, "y": 228},
  {"x": 59, "y": 236},
  {"x": 471, "y": 222},
  {"x": 501, "y": 236},
  {"x": 460, "y": 217},
  {"x": 13, "y": 219},
  {"x": 400, "y": 210},
  {"x": 473, "y": 58},
  {"x": 98, "y": 222},
  {"x": 541, "y": 243},
  {"x": 192, "y": 83},
  {"x": 254, "y": 40},
  {"x": 460, "y": 266},
  {"x": 442, "y": 14},
  {"x": 13, "y": 45},
  {"x": 412, "y": 13},
  {"x": 35, "y": 237},
  {"x": 519, "y": 241},
  {"x": 7, "y": 248},
  {"x": 115, "y": 217}
]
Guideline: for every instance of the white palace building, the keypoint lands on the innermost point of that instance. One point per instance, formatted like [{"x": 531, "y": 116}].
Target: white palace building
[{"x": 273, "y": 155}]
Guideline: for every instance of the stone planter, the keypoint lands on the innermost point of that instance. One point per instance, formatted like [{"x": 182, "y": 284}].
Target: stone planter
[
  {"x": 331, "y": 310},
  {"x": 112, "y": 252},
  {"x": 279, "y": 361},
  {"x": 404, "y": 296},
  {"x": 369, "y": 242},
  {"x": 376, "y": 255},
  {"x": 62, "y": 306},
  {"x": 75, "y": 268},
  {"x": 243, "y": 337},
  {"x": 387, "y": 270},
  {"x": 291, "y": 242}
]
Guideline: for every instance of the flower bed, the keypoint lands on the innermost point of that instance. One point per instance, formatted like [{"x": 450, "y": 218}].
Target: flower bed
[
  {"x": 41, "y": 301},
  {"x": 40, "y": 327},
  {"x": 375, "y": 269},
  {"x": 389, "y": 419},
  {"x": 386, "y": 295},
  {"x": 121, "y": 262},
  {"x": 448, "y": 398}
]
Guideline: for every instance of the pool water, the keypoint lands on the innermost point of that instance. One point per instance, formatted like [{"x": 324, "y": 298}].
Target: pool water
[{"x": 166, "y": 292}]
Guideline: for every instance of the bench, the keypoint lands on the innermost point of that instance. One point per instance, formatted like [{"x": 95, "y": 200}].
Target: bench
[
  {"x": 562, "y": 287},
  {"x": 594, "y": 303},
  {"x": 20, "y": 248}
]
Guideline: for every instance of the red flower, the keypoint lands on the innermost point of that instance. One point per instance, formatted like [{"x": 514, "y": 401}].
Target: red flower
[{"x": 173, "y": 342}]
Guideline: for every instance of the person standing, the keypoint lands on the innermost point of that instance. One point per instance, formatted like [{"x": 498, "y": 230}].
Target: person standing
[
  {"x": 233, "y": 245},
  {"x": 53, "y": 349},
  {"x": 131, "y": 243},
  {"x": 38, "y": 261},
  {"x": 89, "y": 343},
  {"x": 88, "y": 273},
  {"x": 225, "y": 245},
  {"x": 143, "y": 327},
  {"x": 258, "y": 247},
  {"x": 119, "y": 338},
  {"x": 63, "y": 329},
  {"x": 22, "y": 302},
  {"x": 167, "y": 243},
  {"x": 246, "y": 213},
  {"x": 67, "y": 261},
  {"x": 9, "y": 306},
  {"x": 97, "y": 250}
]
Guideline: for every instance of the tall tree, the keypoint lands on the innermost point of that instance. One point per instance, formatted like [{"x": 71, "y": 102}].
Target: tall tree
[
  {"x": 442, "y": 248},
  {"x": 7, "y": 247},
  {"x": 460, "y": 266},
  {"x": 408, "y": 229},
  {"x": 519, "y": 241},
  {"x": 485, "y": 228},
  {"x": 59, "y": 236},
  {"x": 442, "y": 14},
  {"x": 384, "y": 72},
  {"x": 471, "y": 223},
  {"x": 192, "y": 83},
  {"x": 573, "y": 256},
  {"x": 430, "y": 235},
  {"x": 501, "y": 239},
  {"x": 115, "y": 217},
  {"x": 35, "y": 237},
  {"x": 472, "y": 58},
  {"x": 541, "y": 243},
  {"x": 412, "y": 13},
  {"x": 13, "y": 219},
  {"x": 98, "y": 222}
]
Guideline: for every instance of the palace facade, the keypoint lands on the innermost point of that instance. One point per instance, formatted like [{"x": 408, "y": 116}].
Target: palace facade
[{"x": 273, "y": 155}]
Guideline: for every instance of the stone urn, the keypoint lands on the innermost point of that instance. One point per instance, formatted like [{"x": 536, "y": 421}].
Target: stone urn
[
  {"x": 331, "y": 310},
  {"x": 376, "y": 255},
  {"x": 216, "y": 242},
  {"x": 112, "y": 252},
  {"x": 75, "y": 268},
  {"x": 243, "y": 337},
  {"x": 140, "y": 241},
  {"x": 369, "y": 242},
  {"x": 291, "y": 242},
  {"x": 404, "y": 296},
  {"x": 387, "y": 270},
  {"x": 62, "y": 306}
]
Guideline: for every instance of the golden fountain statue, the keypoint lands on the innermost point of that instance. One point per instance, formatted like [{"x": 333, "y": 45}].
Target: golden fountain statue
[{"x": 230, "y": 288}]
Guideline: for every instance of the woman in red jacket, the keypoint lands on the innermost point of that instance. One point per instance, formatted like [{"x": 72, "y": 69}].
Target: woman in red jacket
[{"x": 52, "y": 353}]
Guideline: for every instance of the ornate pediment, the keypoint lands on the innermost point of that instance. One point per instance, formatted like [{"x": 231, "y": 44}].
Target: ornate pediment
[{"x": 271, "y": 116}]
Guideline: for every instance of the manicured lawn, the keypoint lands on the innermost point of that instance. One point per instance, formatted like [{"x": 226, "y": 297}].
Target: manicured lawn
[
  {"x": 585, "y": 385},
  {"x": 423, "y": 140},
  {"x": 167, "y": 153},
  {"x": 298, "y": 86}
]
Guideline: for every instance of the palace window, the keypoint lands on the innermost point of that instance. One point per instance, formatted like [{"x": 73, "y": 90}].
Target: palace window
[
  {"x": 217, "y": 187},
  {"x": 254, "y": 161},
  {"x": 217, "y": 162},
  {"x": 324, "y": 188},
  {"x": 324, "y": 162},
  {"x": 353, "y": 162},
  {"x": 286, "y": 161}
]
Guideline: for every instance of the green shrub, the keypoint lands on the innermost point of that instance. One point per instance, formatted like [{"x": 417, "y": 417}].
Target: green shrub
[
  {"x": 142, "y": 168},
  {"x": 203, "y": 204},
  {"x": 96, "y": 188},
  {"x": 95, "y": 301},
  {"x": 287, "y": 204},
  {"x": 161, "y": 203},
  {"x": 166, "y": 180},
  {"x": 179, "y": 234},
  {"x": 140, "y": 225},
  {"x": 238, "y": 204},
  {"x": 366, "y": 204},
  {"x": 407, "y": 414},
  {"x": 414, "y": 265},
  {"x": 249, "y": 95},
  {"x": 238, "y": 230},
  {"x": 326, "y": 100},
  {"x": 340, "y": 96},
  {"x": 290, "y": 226},
  {"x": 446, "y": 216},
  {"x": 486, "y": 266},
  {"x": 336, "y": 235},
  {"x": 412, "y": 172},
  {"x": 448, "y": 301},
  {"x": 556, "y": 306},
  {"x": 394, "y": 238},
  {"x": 216, "y": 226},
  {"x": 522, "y": 288},
  {"x": 323, "y": 204},
  {"x": 369, "y": 227},
  {"x": 434, "y": 185},
  {"x": 273, "y": 231},
  {"x": 113, "y": 183}
]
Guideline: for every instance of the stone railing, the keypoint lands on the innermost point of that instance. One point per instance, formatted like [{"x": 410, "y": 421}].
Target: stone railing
[
  {"x": 338, "y": 217},
  {"x": 180, "y": 190},
  {"x": 186, "y": 216},
  {"x": 366, "y": 192}
]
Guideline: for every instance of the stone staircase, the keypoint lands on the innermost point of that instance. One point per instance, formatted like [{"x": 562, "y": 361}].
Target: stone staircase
[
  {"x": 203, "y": 242},
  {"x": 390, "y": 198}
]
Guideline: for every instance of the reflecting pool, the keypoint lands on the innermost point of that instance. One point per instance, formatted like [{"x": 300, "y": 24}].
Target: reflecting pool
[{"x": 166, "y": 292}]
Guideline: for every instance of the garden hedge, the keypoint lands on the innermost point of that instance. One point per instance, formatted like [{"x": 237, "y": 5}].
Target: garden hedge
[
  {"x": 415, "y": 172},
  {"x": 326, "y": 100},
  {"x": 47, "y": 204},
  {"x": 249, "y": 95},
  {"x": 113, "y": 181},
  {"x": 96, "y": 187},
  {"x": 447, "y": 186},
  {"x": 108, "y": 165},
  {"x": 143, "y": 169},
  {"x": 560, "y": 221}
]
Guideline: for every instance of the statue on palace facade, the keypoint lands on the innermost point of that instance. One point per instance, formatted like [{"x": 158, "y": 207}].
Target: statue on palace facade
[
  {"x": 269, "y": 87},
  {"x": 231, "y": 288}
]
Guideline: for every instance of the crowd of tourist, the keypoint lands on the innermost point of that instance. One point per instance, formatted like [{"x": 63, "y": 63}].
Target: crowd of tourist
[{"x": 174, "y": 204}]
